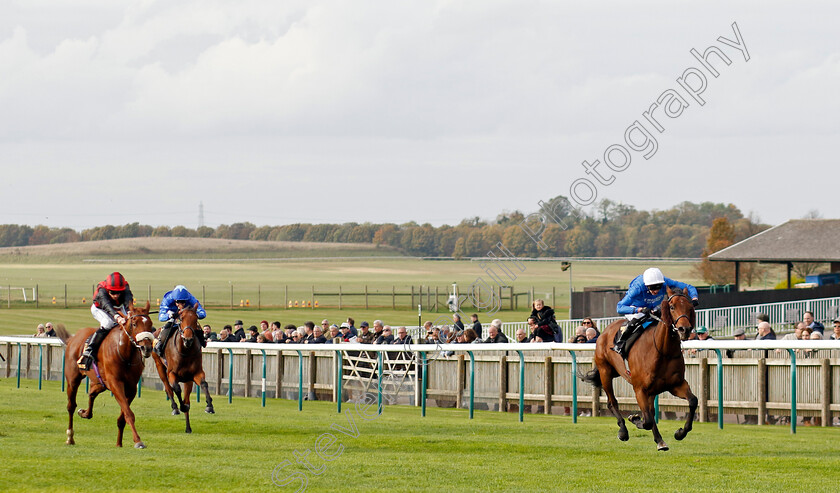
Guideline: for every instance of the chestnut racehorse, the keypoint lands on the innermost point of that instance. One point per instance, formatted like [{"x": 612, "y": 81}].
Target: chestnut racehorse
[
  {"x": 120, "y": 362},
  {"x": 183, "y": 364},
  {"x": 655, "y": 364}
]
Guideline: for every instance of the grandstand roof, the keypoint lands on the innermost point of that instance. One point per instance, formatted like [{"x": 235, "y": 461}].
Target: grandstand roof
[{"x": 797, "y": 240}]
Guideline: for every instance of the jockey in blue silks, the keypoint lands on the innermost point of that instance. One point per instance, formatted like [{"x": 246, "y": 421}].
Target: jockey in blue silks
[
  {"x": 645, "y": 295},
  {"x": 170, "y": 305}
]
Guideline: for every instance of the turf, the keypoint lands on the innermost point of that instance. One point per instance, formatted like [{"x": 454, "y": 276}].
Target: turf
[{"x": 239, "y": 448}]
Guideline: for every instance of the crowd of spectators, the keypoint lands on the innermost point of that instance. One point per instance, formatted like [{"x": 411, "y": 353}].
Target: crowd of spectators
[{"x": 45, "y": 330}]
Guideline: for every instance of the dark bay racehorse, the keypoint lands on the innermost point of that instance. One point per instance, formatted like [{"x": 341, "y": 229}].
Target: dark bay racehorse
[
  {"x": 120, "y": 363},
  {"x": 656, "y": 365},
  {"x": 183, "y": 364}
]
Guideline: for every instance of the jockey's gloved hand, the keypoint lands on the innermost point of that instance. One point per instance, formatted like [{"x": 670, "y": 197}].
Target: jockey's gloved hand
[
  {"x": 657, "y": 311},
  {"x": 646, "y": 310},
  {"x": 171, "y": 315},
  {"x": 695, "y": 302}
]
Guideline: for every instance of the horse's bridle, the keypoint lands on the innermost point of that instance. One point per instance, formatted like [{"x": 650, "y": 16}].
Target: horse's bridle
[
  {"x": 132, "y": 339},
  {"x": 673, "y": 328}
]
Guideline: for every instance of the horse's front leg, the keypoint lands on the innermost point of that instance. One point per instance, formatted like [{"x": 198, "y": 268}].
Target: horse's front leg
[
  {"x": 650, "y": 420},
  {"x": 73, "y": 381},
  {"x": 187, "y": 390},
  {"x": 683, "y": 391},
  {"x": 201, "y": 382},
  {"x": 173, "y": 382},
  {"x": 124, "y": 397}
]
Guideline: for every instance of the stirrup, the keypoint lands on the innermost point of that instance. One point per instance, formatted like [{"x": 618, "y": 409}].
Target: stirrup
[{"x": 85, "y": 361}]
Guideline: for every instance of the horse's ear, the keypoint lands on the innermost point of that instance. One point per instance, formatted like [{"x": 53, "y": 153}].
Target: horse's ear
[
  {"x": 148, "y": 306},
  {"x": 131, "y": 306},
  {"x": 668, "y": 290},
  {"x": 666, "y": 313},
  {"x": 195, "y": 307}
]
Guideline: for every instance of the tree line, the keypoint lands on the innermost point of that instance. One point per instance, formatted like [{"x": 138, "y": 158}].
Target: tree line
[{"x": 609, "y": 229}]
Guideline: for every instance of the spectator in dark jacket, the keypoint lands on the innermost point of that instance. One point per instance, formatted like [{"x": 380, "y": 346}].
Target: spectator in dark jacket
[
  {"x": 253, "y": 332},
  {"x": 591, "y": 335},
  {"x": 495, "y": 336},
  {"x": 457, "y": 323},
  {"x": 50, "y": 329},
  {"x": 238, "y": 331},
  {"x": 317, "y": 337},
  {"x": 387, "y": 337},
  {"x": 812, "y": 324},
  {"x": 226, "y": 335},
  {"x": 539, "y": 333},
  {"x": 544, "y": 316},
  {"x": 476, "y": 325},
  {"x": 765, "y": 332},
  {"x": 209, "y": 335},
  {"x": 402, "y": 336}
]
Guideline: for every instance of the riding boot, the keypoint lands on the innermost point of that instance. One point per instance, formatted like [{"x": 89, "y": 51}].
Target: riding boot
[
  {"x": 164, "y": 336},
  {"x": 625, "y": 335},
  {"x": 91, "y": 348}
]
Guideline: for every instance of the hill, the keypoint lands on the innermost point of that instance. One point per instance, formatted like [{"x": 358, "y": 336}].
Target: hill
[{"x": 171, "y": 248}]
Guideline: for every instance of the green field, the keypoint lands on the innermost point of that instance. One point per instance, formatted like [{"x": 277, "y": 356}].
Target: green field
[
  {"x": 270, "y": 284},
  {"x": 239, "y": 447}
]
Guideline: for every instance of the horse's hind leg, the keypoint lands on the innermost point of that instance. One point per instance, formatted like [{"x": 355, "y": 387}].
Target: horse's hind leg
[
  {"x": 612, "y": 405},
  {"x": 162, "y": 372},
  {"x": 683, "y": 391},
  {"x": 73, "y": 382},
  {"x": 95, "y": 389}
]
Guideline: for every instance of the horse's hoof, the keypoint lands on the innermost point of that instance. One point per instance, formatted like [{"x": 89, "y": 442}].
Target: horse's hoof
[
  {"x": 188, "y": 430},
  {"x": 185, "y": 408},
  {"x": 210, "y": 410},
  {"x": 680, "y": 434},
  {"x": 139, "y": 445},
  {"x": 662, "y": 447},
  {"x": 623, "y": 436},
  {"x": 84, "y": 414},
  {"x": 175, "y": 412}
]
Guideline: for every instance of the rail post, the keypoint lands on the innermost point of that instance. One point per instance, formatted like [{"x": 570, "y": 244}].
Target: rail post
[
  {"x": 230, "y": 371},
  {"x": 792, "y": 390},
  {"x": 338, "y": 378},
  {"x": 472, "y": 383},
  {"x": 263, "y": 377},
  {"x": 720, "y": 387},
  {"x": 40, "y": 363},
  {"x": 379, "y": 386},
  {"x": 139, "y": 386},
  {"x": 423, "y": 387},
  {"x": 521, "y": 386},
  {"x": 18, "y": 365},
  {"x": 574, "y": 387},
  {"x": 300, "y": 380}
]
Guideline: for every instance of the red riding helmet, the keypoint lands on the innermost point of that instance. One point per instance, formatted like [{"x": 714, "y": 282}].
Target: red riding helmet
[{"x": 115, "y": 282}]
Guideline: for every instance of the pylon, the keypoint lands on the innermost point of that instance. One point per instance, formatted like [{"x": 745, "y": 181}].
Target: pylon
[
  {"x": 53, "y": 300},
  {"x": 247, "y": 302},
  {"x": 290, "y": 303},
  {"x": 241, "y": 302},
  {"x": 84, "y": 300},
  {"x": 309, "y": 304},
  {"x": 316, "y": 303},
  {"x": 296, "y": 304}
]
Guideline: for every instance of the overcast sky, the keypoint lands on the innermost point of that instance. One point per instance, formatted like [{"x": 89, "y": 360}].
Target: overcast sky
[{"x": 280, "y": 112}]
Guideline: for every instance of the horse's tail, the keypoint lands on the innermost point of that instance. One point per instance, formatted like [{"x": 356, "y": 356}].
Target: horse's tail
[
  {"x": 592, "y": 377},
  {"x": 62, "y": 333}
]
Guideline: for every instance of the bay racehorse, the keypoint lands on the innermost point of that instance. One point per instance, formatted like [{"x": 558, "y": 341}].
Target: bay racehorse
[
  {"x": 118, "y": 368},
  {"x": 655, "y": 365},
  {"x": 183, "y": 364}
]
